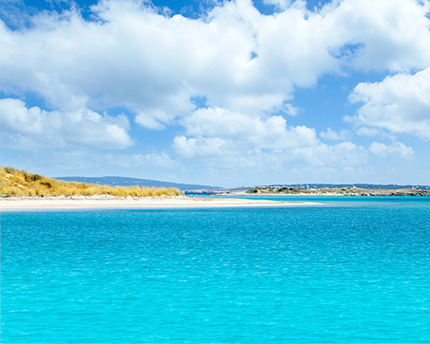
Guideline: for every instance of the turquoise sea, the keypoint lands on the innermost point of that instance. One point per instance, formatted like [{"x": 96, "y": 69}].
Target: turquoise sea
[{"x": 352, "y": 269}]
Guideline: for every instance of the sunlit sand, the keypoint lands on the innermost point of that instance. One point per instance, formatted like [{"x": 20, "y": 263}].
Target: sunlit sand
[{"x": 100, "y": 202}]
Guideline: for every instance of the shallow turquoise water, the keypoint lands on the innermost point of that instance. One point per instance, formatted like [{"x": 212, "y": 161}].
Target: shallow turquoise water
[{"x": 353, "y": 269}]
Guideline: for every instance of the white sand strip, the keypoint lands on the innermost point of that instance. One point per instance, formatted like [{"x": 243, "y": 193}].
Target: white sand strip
[{"x": 108, "y": 202}]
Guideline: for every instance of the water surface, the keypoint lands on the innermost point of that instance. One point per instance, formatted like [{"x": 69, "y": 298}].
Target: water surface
[{"x": 352, "y": 269}]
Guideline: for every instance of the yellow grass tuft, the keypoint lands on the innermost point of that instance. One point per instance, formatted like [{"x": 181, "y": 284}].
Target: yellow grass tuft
[{"x": 15, "y": 182}]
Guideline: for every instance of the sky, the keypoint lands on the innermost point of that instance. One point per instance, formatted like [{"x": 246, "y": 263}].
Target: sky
[{"x": 222, "y": 93}]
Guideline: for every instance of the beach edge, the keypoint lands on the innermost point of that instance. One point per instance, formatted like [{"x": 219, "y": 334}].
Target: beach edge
[{"x": 8, "y": 204}]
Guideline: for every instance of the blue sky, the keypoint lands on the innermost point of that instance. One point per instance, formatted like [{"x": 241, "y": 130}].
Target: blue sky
[{"x": 217, "y": 92}]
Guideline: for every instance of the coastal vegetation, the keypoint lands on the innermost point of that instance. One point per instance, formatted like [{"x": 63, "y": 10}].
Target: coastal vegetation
[
  {"x": 346, "y": 191},
  {"x": 14, "y": 182}
]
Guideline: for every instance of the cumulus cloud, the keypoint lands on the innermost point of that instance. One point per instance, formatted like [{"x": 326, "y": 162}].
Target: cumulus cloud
[
  {"x": 341, "y": 154},
  {"x": 399, "y": 104},
  {"x": 335, "y": 136},
  {"x": 396, "y": 150},
  {"x": 239, "y": 59},
  {"x": 271, "y": 132},
  {"x": 25, "y": 128},
  {"x": 220, "y": 132},
  {"x": 226, "y": 138},
  {"x": 201, "y": 147},
  {"x": 245, "y": 65},
  {"x": 383, "y": 34},
  {"x": 366, "y": 131},
  {"x": 322, "y": 155}
]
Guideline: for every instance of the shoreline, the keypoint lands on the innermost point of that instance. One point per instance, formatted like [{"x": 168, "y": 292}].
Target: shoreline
[
  {"x": 284, "y": 195},
  {"x": 110, "y": 202},
  {"x": 424, "y": 193}
]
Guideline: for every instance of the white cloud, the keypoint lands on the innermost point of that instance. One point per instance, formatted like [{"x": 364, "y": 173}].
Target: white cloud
[
  {"x": 291, "y": 110},
  {"x": 238, "y": 58},
  {"x": 342, "y": 135},
  {"x": 25, "y": 128},
  {"x": 383, "y": 34},
  {"x": 200, "y": 147},
  {"x": 337, "y": 156},
  {"x": 231, "y": 139},
  {"x": 396, "y": 150},
  {"x": 366, "y": 131},
  {"x": 244, "y": 64},
  {"x": 271, "y": 132},
  {"x": 151, "y": 120},
  {"x": 341, "y": 154},
  {"x": 137, "y": 160},
  {"x": 400, "y": 104}
]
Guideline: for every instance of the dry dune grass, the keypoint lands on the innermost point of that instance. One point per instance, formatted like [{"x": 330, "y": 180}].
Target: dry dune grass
[{"x": 15, "y": 182}]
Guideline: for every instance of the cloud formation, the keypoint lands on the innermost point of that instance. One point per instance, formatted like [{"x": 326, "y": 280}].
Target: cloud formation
[
  {"x": 380, "y": 35},
  {"x": 270, "y": 132},
  {"x": 27, "y": 128},
  {"x": 399, "y": 104},
  {"x": 396, "y": 150},
  {"x": 226, "y": 78},
  {"x": 218, "y": 135},
  {"x": 237, "y": 58},
  {"x": 335, "y": 136}
]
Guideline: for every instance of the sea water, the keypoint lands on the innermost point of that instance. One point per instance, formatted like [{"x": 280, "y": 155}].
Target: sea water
[{"x": 351, "y": 269}]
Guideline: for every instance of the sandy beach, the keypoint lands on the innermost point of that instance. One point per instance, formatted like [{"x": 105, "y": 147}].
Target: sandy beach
[{"x": 109, "y": 202}]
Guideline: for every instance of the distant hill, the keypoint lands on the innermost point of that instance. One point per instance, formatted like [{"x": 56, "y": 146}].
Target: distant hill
[
  {"x": 124, "y": 181},
  {"x": 14, "y": 182}
]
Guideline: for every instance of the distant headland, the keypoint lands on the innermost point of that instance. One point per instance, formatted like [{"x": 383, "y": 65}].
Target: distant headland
[{"x": 342, "y": 190}]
